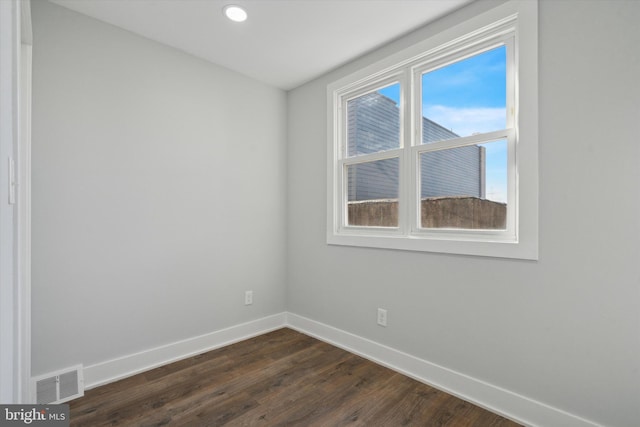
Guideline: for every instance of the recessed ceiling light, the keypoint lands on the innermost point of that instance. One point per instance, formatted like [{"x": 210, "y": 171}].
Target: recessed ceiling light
[{"x": 235, "y": 13}]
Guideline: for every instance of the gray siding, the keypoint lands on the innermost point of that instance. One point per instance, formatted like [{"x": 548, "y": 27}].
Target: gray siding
[
  {"x": 373, "y": 126},
  {"x": 455, "y": 172},
  {"x": 373, "y": 123}
]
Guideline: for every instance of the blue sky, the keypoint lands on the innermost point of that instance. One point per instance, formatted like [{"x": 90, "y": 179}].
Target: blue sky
[{"x": 469, "y": 97}]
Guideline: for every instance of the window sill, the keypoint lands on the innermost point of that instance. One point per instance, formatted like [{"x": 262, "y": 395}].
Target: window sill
[{"x": 447, "y": 244}]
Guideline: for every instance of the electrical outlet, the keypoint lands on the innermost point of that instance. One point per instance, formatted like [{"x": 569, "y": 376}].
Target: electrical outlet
[
  {"x": 248, "y": 297},
  {"x": 382, "y": 317}
]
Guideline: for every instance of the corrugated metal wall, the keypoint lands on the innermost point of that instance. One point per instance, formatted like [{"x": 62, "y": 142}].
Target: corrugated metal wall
[{"x": 374, "y": 126}]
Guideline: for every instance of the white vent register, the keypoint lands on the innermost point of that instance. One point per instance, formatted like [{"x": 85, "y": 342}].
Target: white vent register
[{"x": 58, "y": 387}]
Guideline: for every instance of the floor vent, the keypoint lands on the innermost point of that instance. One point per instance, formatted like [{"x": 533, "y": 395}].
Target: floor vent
[{"x": 58, "y": 387}]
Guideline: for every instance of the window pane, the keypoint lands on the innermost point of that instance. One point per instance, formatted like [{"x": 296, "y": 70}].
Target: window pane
[
  {"x": 373, "y": 122},
  {"x": 465, "y": 187},
  {"x": 372, "y": 198},
  {"x": 465, "y": 98}
]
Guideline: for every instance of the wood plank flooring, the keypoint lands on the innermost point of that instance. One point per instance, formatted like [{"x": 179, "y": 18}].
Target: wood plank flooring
[{"x": 282, "y": 378}]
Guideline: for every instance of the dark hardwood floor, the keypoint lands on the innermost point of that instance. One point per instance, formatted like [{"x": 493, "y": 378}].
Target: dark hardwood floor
[{"x": 282, "y": 378}]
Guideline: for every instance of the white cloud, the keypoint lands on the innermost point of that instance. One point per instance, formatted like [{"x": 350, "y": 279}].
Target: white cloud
[{"x": 466, "y": 121}]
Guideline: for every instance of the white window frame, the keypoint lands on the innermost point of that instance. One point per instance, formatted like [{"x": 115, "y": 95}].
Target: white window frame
[{"x": 513, "y": 24}]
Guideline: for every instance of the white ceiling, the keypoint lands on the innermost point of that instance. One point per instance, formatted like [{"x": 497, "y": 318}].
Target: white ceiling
[{"x": 283, "y": 43}]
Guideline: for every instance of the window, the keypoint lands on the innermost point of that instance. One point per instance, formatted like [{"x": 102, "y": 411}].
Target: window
[{"x": 435, "y": 149}]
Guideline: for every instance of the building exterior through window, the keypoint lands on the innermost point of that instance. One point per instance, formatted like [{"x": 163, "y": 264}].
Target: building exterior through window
[{"x": 374, "y": 126}]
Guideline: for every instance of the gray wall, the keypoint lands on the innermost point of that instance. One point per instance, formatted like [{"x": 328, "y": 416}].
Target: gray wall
[
  {"x": 146, "y": 182},
  {"x": 564, "y": 330}
]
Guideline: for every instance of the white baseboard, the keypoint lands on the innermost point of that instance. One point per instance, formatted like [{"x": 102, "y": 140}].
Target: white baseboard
[
  {"x": 504, "y": 402},
  {"x": 122, "y": 367},
  {"x": 511, "y": 405}
]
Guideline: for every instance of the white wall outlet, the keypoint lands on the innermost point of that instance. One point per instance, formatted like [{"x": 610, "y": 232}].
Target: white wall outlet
[
  {"x": 382, "y": 317},
  {"x": 248, "y": 297}
]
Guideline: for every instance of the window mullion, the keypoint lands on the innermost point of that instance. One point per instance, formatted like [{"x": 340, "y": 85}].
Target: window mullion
[
  {"x": 406, "y": 178},
  {"x": 415, "y": 136},
  {"x": 465, "y": 141},
  {"x": 365, "y": 158}
]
